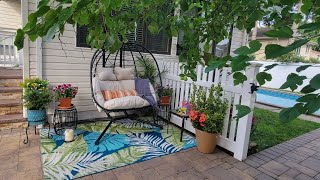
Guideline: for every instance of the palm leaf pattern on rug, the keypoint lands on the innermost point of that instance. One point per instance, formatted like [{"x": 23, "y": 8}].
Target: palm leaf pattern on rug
[{"x": 126, "y": 143}]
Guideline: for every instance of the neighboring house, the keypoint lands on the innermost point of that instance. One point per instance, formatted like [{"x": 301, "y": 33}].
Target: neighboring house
[
  {"x": 10, "y": 21},
  {"x": 68, "y": 62},
  {"x": 305, "y": 50}
]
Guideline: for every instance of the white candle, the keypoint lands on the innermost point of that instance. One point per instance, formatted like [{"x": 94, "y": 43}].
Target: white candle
[{"x": 68, "y": 135}]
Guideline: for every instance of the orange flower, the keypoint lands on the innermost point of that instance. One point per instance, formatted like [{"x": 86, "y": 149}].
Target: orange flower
[
  {"x": 202, "y": 118},
  {"x": 193, "y": 115}
]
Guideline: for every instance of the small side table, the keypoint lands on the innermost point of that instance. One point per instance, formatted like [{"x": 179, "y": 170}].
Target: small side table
[
  {"x": 183, "y": 117},
  {"x": 167, "y": 108},
  {"x": 43, "y": 122},
  {"x": 63, "y": 118}
]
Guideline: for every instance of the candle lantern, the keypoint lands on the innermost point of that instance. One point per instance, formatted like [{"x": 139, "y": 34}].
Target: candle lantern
[{"x": 69, "y": 135}]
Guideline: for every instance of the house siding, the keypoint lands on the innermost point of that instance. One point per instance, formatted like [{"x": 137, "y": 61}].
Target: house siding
[
  {"x": 10, "y": 15},
  {"x": 63, "y": 62}
]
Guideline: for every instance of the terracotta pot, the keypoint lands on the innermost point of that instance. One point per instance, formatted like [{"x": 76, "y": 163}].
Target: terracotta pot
[
  {"x": 206, "y": 142},
  {"x": 165, "y": 100},
  {"x": 65, "y": 102}
]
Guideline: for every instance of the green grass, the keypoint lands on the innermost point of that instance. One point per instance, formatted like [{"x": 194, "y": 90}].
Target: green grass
[{"x": 271, "y": 131}]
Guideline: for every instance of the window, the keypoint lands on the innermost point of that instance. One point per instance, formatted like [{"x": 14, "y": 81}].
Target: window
[
  {"x": 82, "y": 33},
  {"x": 308, "y": 48},
  {"x": 298, "y": 50},
  {"x": 155, "y": 43}
]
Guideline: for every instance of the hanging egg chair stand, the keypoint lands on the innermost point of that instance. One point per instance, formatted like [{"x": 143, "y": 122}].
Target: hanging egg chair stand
[{"x": 127, "y": 56}]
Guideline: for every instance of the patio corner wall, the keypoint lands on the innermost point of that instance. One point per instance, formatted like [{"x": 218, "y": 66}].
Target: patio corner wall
[{"x": 236, "y": 134}]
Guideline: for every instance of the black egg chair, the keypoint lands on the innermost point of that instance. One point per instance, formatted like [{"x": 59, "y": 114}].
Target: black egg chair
[{"x": 126, "y": 56}]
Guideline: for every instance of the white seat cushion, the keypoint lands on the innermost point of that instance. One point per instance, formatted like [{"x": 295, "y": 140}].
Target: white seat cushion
[{"x": 127, "y": 102}]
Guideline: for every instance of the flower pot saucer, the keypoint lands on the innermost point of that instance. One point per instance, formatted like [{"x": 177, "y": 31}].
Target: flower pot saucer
[{"x": 70, "y": 107}]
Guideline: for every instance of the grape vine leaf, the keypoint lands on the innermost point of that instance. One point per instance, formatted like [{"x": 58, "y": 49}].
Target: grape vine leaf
[
  {"x": 284, "y": 32},
  {"x": 275, "y": 50},
  {"x": 254, "y": 47},
  {"x": 238, "y": 78},
  {"x": 293, "y": 81},
  {"x": 267, "y": 68},
  {"x": 262, "y": 77},
  {"x": 302, "y": 68},
  {"x": 315, "y": 82},
  {"x": 242, "y": 111}
]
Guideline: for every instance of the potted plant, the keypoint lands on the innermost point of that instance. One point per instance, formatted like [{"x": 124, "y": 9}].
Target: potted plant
[
  {"x": 36, "y": 97},
  {"x": 165, "y": 94},
  {"x": 207, "y": 116},
  {"x": 64, "y": 93},
  {"x": 147, "y": 69}
]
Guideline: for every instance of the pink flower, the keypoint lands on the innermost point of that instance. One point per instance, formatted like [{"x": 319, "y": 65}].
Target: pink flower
[
  {"x": 74, "y": 93},
  {"x": 69, "y": 85},
  {"x": 59, "y": 86},
  {"x": 62, "y": 92},
  {"x": 193, "y": 115},
  {"x": 202, "y": 118}
]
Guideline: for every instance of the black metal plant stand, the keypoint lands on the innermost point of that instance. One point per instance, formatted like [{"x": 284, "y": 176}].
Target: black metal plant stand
[
  {"x": 63, "y": 118},
  {"x": 43, "y": 122}
]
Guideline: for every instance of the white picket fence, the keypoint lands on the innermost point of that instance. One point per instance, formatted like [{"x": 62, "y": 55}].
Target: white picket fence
[
  {"x": 9, "y": 55},
  {"x": 235, "y": 136}
]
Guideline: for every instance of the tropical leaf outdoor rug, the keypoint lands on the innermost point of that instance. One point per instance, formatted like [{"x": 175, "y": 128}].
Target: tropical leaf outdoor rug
[{"x": 125, "y": 143}]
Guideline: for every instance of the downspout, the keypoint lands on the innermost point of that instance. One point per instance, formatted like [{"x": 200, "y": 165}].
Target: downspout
[
  {"x": 25, "y": 52},
  {"x": 39, "y": 52}
]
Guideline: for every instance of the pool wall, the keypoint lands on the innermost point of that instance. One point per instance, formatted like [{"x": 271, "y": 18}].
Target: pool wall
[{"x": 280, "y": 72}]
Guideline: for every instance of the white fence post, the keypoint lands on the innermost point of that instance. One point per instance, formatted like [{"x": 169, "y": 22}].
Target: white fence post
[{"x": 244, "y": 123}]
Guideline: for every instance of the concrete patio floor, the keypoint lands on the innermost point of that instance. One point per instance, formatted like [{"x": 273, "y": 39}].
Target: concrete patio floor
[{"x": 298, "y": 158}]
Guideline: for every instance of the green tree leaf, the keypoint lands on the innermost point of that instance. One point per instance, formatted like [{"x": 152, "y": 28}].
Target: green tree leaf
[
  {"x": 309, "y": 27},
  {"x": 284, "y": 32},
  {"x": 19, "y": 40},
  {"x": 289, "y": 114},
  {"x": 262, "y": 77},
  {"x": 242, "y": 111},
  {"x": 267, "y": 68},
  {"x": 307, "y": 98},
  {"x": 254, "y": 47},
  {"x": 312, "y": 105},
  {"x": 217, "y": 63},
  {"x": 240, "y": 62},
  {"x": 293, "y": 80},
  {"x": 315, "y": 82},
  {"x": 239, "y": 78},
  {"x": 274, "y": 50},
  {"x": 308, "y": 89},
  {"x": 302, "y": 68}
]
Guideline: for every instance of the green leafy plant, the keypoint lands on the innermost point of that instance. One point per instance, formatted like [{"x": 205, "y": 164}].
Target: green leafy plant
[
  {"x": 149, "y": 69},
  {"x": 36, "y": 95},
  {"x": 164, "y": 91},
  {"x": 208, "y": 110}
]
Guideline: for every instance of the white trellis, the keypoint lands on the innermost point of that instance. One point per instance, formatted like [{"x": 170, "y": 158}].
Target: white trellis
[{"x": 235, "y": 135}]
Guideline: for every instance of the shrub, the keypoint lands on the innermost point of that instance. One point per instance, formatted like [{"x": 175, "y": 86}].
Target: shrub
[
  {"x": 314, "y": 60},
  {"x": 36, "y": 94},
  {"x": 291, "y": 57},
  {"x": 208, "y": 112}
]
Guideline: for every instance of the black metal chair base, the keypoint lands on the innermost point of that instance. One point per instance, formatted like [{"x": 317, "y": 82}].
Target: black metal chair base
[{"x": 155, "y": 118}]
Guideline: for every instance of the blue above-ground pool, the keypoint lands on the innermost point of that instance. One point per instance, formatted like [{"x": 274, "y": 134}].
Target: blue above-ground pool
[{"x": 279, "y": 99}]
